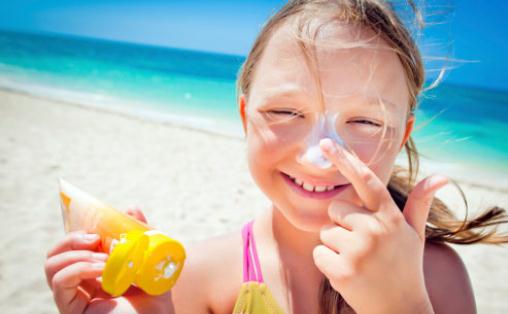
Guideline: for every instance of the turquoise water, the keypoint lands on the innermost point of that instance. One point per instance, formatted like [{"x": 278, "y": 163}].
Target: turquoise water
[
  {"x": 468, "y": 125},
  {"x": 465, "y": 124},
  {"x": 172, "y": 81}
]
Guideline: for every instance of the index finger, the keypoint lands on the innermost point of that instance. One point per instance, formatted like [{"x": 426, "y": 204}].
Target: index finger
[
  {"x": 369, "y": 187},
  {"x": 75, "y": 241}
]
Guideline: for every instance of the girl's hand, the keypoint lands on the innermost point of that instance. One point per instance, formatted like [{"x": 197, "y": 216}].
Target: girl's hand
[
  {"x": 373, "y": 255},
  {"x": 72, "y": 269}
]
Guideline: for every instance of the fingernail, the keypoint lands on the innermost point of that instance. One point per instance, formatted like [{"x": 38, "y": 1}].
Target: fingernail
[
  {"x": 89, "y": 237},
  {"x": 100, "y": 256},
  {"x": 98, "y": 265},
  {"x": 435, "y": 180},
  {"x": 327, "y": 145}
]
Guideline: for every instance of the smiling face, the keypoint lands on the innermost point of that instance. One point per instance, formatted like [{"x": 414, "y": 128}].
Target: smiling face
[{"x": 364, "y": 87}]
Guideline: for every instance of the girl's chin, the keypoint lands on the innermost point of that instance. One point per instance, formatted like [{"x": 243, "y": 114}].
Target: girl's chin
[{"x": 309, "y": 221}]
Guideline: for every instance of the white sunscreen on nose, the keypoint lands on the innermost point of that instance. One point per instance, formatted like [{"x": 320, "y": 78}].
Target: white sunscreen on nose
[{"x": 324, "y": 128}]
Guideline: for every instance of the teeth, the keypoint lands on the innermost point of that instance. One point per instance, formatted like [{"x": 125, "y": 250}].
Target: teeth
[
  {"x": 311, "y": 188},
  {"x": 321, "y": 188},
  {"x": 308, "y": 187}
]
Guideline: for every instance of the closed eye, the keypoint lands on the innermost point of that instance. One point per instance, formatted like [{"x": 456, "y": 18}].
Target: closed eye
[
  {"x": 286, "y": 112},
  {"x": 367, "y": 122}
]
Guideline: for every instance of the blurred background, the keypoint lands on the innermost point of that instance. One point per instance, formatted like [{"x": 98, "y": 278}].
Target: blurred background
[
  {"x": 178, "y": 60},
  {"x": 112, "y": 94}
]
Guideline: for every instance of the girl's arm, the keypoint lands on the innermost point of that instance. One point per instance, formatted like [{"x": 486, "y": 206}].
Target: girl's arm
[
  {"x": 190, "y": 293},
  {"x": 447, "y": 280}
]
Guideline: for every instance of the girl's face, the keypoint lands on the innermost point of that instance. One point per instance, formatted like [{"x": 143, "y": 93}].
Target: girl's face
[{"x": 285, "y": 99}]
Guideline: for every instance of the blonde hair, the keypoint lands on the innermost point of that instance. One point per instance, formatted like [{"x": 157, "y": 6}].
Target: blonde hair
[{"x": 380, "y": 16}]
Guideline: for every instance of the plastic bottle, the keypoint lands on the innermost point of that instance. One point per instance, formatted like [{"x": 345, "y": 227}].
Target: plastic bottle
[{"x": 138, "y": 254}]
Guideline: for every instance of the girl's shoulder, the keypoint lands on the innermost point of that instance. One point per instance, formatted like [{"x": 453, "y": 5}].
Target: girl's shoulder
[
  {"x": 211, "y": 277},
  {"x": 447, "y": 280}
]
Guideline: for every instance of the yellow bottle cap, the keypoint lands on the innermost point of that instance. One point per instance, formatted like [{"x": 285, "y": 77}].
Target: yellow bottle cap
[
  {"x": 123, "y": 263},
  {"x": 162, "y": 264}
]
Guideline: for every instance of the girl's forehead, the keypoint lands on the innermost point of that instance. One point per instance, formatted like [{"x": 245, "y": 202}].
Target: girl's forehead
[{"x": 332, "y": 68}]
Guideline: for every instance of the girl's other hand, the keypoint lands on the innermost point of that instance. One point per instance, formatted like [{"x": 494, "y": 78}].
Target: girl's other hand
[
  {"x": 375, "y": 252},
  {"x": 136, "y": 212},
  {"x": 73, "y": 267}
]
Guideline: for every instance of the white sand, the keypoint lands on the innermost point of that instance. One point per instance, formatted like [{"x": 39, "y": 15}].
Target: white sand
[{"x": 190, "y": 184}]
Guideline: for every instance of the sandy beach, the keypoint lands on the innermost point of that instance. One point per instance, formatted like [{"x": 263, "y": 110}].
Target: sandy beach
[{"x": 191, "y": 184}]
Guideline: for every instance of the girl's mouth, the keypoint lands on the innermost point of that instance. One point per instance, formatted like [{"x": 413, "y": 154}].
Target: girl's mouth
[{"x": 317, "y": 192}]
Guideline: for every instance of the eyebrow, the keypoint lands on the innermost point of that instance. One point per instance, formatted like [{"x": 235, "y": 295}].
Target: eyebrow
[
  {"x": 292, "y": 90},
  {"x": 371, "y": 100},
  {"x": 286, "y": 90}
]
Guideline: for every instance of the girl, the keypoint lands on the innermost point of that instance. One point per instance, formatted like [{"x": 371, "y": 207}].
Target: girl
[{"x": 326, "y": 98}]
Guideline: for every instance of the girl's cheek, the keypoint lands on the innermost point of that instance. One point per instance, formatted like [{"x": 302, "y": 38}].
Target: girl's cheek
[
  {"x": 258, "y": 155},
  {"x": 265, "y": 155},
  {"x": 266, "y": 145},
  {"x": 381, "y": 163}
]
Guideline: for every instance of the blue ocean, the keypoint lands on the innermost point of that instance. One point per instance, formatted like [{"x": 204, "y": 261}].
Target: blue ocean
[{"x": 455, "y": 124}]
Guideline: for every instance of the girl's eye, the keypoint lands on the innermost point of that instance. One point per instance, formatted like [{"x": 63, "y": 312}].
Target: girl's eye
[
  {"x": 287, "y": 113},
  {"x": 367, "y": 122}
]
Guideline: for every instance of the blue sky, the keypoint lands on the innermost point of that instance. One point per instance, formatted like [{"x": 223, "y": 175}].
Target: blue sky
[{"x": 473, "y": 32}]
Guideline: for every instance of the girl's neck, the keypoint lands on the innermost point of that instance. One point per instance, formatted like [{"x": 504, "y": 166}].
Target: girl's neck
[
  {"x": 290, "y": 250},
  {"x": 288, "y": 240}
]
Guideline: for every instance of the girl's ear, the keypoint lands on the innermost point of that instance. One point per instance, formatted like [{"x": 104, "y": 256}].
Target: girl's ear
[
  {"x": 243, "y": 115},
  {"x": 409, "y": 127}
]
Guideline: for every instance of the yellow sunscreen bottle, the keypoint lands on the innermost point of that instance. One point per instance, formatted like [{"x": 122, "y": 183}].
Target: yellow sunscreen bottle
[{"x": 138, "y": 254}]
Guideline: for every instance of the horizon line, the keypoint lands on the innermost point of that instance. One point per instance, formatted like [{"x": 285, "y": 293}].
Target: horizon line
[{"x": 213, "y": 52}]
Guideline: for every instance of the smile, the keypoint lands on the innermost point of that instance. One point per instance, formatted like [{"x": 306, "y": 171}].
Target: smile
[{"x": 313, "y": 191}]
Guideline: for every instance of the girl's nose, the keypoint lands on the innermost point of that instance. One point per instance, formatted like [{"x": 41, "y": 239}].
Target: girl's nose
[
  {"x": 313, "y": 156},
  {"x": 323, "y": 128}
]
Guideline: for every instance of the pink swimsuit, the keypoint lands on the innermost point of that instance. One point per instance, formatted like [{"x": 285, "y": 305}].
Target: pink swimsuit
[
  {"x": 254, "y": 296},
  {"x": 251, "y": 269}
]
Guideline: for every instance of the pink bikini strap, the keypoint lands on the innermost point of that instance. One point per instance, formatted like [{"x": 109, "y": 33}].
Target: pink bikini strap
[{"x": 251, "y": 270}]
